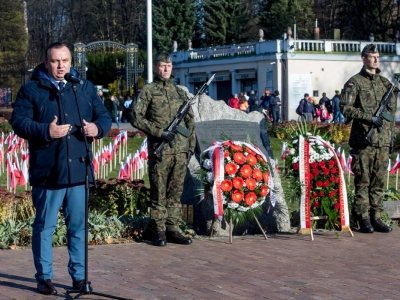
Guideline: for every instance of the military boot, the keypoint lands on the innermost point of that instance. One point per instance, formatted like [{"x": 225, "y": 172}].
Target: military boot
[
  {"x": 161, "y": 239},
  {"x": 365, "y": 226},
  {"x": 177, "y": 238},
  {"x": 379, "y": 226}
]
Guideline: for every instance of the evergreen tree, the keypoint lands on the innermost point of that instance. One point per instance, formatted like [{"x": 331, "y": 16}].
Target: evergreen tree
[
  {"x": 276, "y": 15},
  {"x": 226, "y": 22},
  {"x": 215, "y": 22},
  {"x": 173, "y": 20},
  {"x": 359, "y": 18},
  {"x": 13, "y": 44}
]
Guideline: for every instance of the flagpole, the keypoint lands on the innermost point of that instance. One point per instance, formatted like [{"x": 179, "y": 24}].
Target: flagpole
[
  {"x": 388, "y": 170},
  {"x": 397, "y": 178}
]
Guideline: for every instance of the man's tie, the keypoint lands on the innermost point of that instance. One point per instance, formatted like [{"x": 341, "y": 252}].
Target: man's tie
[{"x": 61, "y": 85}]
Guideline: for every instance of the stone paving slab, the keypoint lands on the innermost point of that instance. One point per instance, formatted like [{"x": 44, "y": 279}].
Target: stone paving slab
[{"x": 286, "y": 266}]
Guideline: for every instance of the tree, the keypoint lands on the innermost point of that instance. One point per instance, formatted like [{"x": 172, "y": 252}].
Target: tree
[
  {"x": 276, "y": 15},
  {"x": 359, "y": 18},
  {"x": 13, "y": 45},
  {"x": 225, "y": 22},
  {"x": 173, "y": 20}
]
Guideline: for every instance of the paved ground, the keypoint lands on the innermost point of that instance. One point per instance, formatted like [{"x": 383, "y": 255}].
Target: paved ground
[
  {"x": 286, "y": 266},
  {"x": 122, "y": 126}
]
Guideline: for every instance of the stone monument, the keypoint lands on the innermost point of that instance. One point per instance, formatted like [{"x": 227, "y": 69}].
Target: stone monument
[{"x": 277, "y": 219}]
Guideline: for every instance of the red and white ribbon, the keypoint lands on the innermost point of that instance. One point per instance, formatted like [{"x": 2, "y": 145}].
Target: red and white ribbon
[{"x": 304, "y": 176}]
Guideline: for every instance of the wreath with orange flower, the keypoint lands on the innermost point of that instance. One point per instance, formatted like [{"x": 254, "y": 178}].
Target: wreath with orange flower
[{"x": 246, "y": 178}]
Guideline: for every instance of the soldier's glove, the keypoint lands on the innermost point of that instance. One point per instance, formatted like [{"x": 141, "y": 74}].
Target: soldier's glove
[
  {"x": 377, "y": 121},
  {"x": 189, "y": 155},
  {"x": 168, "y": 136}
]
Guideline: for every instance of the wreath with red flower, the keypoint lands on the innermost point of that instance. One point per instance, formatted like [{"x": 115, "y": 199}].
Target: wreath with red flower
[
  {"x": 324, "y": 179},
  {"x": 245, "y": 182}
]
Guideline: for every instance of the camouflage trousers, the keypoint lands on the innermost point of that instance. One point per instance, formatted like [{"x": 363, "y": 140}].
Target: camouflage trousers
[
  {"x": 166, "y": 187},
  {"x": 370, "y": 167}
]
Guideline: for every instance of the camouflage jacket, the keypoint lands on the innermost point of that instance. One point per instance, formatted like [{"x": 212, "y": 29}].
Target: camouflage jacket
[
  {"x": 359, "y": 100},
  {"x": 155, "y": 108}
]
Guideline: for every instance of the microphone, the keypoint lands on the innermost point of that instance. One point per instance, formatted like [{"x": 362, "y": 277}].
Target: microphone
[{"x": 71, "y": 78}]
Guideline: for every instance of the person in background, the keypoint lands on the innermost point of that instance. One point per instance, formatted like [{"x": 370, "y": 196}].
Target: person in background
[
  {"x": 315, "y": 103},
  {"x": 326, "y": 102},
  {"x": 307, "y": 110},
  {"x": 360, "y": 99},
  {"x": 337, "y": 114},
  {"x": 154, "y": 109},
  {"x": 45, "y": 114},
  {"x": 114, "y": 110},
  {"x": 101, "y": 96},
  {"x": 264, "y": 102},
  {"x": 234, "y": 101},
  {"x": 127, "y": 107},
  {"x": 274, "y": 105},
  {"x": 323, "y": 114},
  {"x": 243, "y": 103},
  {"x": 120, "y": 108},
  {"x": 253, "y": 102}
]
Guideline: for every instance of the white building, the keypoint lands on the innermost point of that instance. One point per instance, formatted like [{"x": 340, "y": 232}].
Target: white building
[{"x": 293, "y": 67}]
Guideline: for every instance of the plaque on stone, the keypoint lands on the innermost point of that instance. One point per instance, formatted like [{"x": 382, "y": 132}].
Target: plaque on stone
[
  {"x": 208, "y": 132},
  {"x": 392, "y": 208}
]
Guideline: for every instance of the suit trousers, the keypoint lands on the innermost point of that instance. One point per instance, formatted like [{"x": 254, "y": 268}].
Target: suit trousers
[{"x": 47, "y": 203}]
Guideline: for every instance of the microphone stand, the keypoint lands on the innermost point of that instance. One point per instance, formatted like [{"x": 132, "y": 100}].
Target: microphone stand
[{"x": 86, "y": 288}]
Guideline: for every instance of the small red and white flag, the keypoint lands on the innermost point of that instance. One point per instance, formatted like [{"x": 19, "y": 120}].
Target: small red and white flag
[
  {"x": 143, "y": 151},
  {"x": 348, "y": 165},
  {"x": 396, "y": 165},
  {"x": 343, "y": 161}
]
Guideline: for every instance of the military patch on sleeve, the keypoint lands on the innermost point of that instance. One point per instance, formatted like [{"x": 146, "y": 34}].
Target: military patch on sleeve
[
  {"x": 350, "y": 84},
  {"x": 138, "y": 101}
]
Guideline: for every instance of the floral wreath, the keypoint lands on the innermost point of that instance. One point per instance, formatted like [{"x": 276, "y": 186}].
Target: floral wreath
[
  {"x": 323, "y": 174},
  {"x": 237, "y": 175}
]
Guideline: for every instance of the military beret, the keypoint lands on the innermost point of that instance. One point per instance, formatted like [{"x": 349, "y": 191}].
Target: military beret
[
  {"x": 370, "y": 48},
  {"x": 163, "y": 57}
]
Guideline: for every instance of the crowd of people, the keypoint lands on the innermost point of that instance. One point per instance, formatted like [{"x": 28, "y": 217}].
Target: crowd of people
[
  {"x": 118, "y": 108},
  {"x": 325, "y": 110},
  {"x": 310, "y": 109},
  {"x": 268, "y": 104}
]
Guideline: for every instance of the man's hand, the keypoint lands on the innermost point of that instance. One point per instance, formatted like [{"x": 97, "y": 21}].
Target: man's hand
[
  {"x": 377, "y": 121},
  {"x": 58, "y": 131},
  {"x": 90, "y": 129},
  {"x": 168, "y": 136}
]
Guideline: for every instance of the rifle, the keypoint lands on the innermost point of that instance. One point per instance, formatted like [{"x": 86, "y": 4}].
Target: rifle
[
  {"x": 182, "y": 112},
  {"x": 381, "y": 112}
]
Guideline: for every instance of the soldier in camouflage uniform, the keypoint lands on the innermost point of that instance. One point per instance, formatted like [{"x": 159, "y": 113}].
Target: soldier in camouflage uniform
[
  {"x": 152, "y": 112},
  {"x": 359, "y": 100}
]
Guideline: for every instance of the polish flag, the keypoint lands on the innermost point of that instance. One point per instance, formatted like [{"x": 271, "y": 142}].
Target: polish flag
[
  {"x": 96, "y": 164},
  {"x": 343, "y": 161},
  {"x": 9, "y": 138},
  {"x": 128, "y": 167},
  {"x": 24, "y": 170},
  {"x": 338, "y": 152},
  {"x": 124, "y": 137},
  {"x": 396, "y": 165},
  {"x": 143, "y": 151},
  {"x": 135, "y": 161},
  {"x": 348, "y": 165},
  {"x": 388, "y": 168},
  {"x": 121, "y": 173}
]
